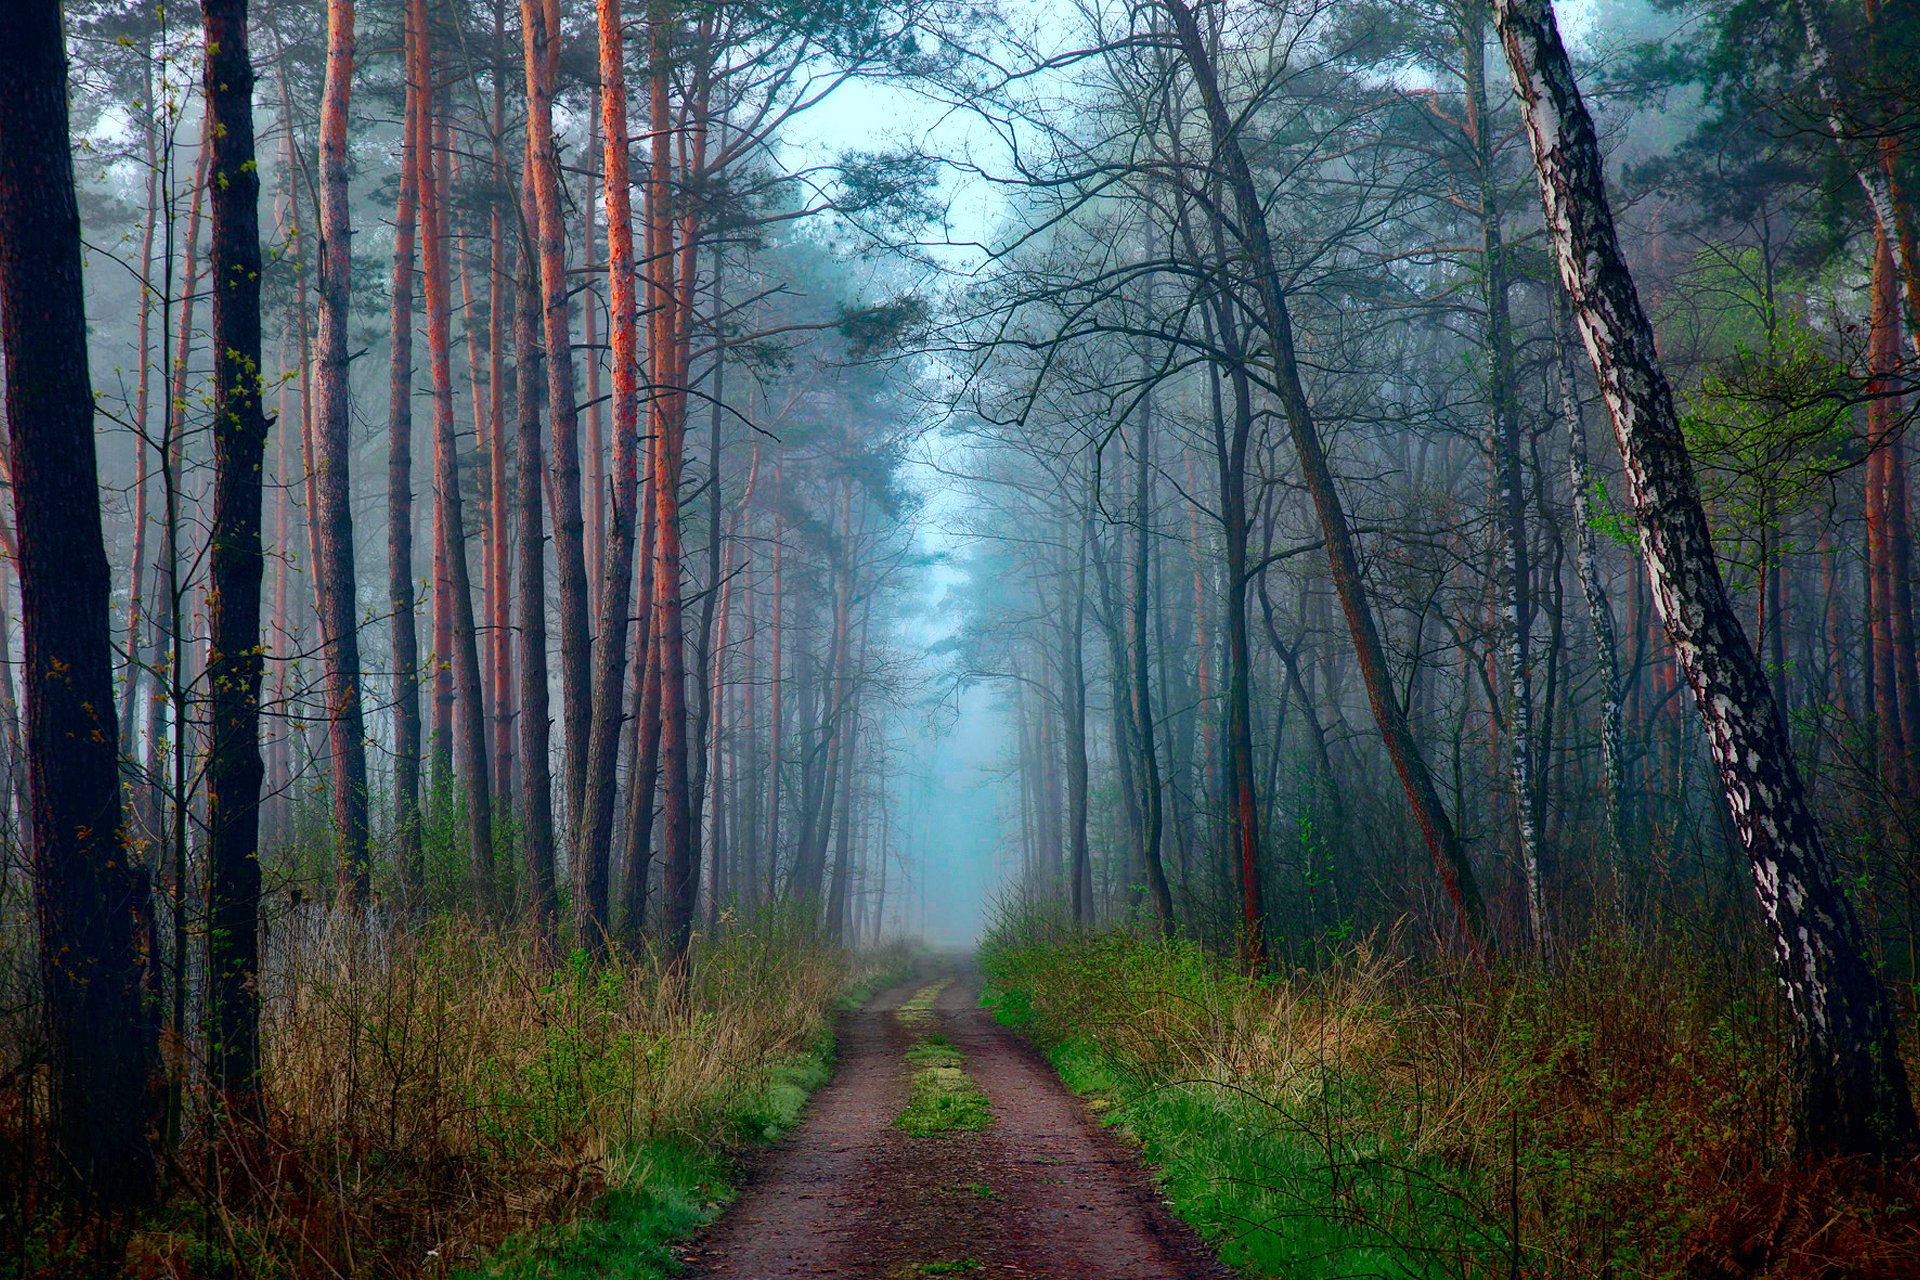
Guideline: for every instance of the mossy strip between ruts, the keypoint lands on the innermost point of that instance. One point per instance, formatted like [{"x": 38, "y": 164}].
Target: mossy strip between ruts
[{"x": 942, "y": 1098}]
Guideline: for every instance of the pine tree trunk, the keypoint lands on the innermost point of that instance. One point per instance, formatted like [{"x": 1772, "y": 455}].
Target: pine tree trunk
[
  {"x": 530, "y": 602},
  {"x": 101, "y": 1052},
  {"x": 235, "y": 567},
  {"x": 1854, "y": 1087},
  {"x": 333, "y": 561},
  {"x": 539, "y": 20},
  {"x": 500, "y": 616},
  {"x": 142, "y": 403},
  {"x": 462, "y": 653},
  {"x": 775, "y": 712},
  {"x": 405, "y": 644},
  {"x": 593, "y": 830},
  {"x": 1883, "y": 510},
  {"x": 681, "y": 872}
]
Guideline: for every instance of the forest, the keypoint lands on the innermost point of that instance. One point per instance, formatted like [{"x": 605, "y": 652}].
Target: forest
[{"x": 1018, "y": 638}]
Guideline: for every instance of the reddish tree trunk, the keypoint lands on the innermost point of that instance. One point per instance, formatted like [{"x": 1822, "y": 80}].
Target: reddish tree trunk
[
  {"x": 540, "y": 21},
  {"x": 332, "y": 519},
  {"x": 593, "y": 831}
]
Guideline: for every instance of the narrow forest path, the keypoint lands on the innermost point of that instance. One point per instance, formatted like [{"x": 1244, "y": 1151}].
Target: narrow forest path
[{"x": 1041, "y": 1191}]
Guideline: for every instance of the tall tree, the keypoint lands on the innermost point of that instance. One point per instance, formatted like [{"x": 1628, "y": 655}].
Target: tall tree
[
  {"x": 405, "y": 644},
  {"x": 102, "y": 1047},
  {"x": 1854, "y": 1096},
  {"x": 670, "y": 249},
  {"x": 540, "y": 21},
  {"x": 593, "y": 829},
  {"x": 530, "y": 600},
  {"x": 1250, "y": 224},
  {"x": 1509, "y": 486},
  {"x": 235, "y": 566},
  {"x": 332, "y": 518},
  {"x": 455, "y": 590}
]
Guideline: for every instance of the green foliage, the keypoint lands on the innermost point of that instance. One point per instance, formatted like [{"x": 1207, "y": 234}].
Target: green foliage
[
  {"x": 1770, "y": 419},
  {"x": 1619, "y": 1117}
]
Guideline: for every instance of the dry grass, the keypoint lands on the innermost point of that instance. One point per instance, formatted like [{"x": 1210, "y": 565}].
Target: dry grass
[
  {"x": 434, "y": 1091},
  {"x": 1626, "y": 1115}
]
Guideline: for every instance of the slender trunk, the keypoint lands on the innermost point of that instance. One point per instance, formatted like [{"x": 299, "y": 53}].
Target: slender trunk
[
  {"x": 1888, "y": 589},
  {"x": 542, "y": 39},
  {"x": 681, "y": 874},
  {"x": 500, "y": 620},
  {"x": 593, "y": 831},
  {"x": 405, "y": 644},
  {"x": 840, "y": 891},
  {"x": 137, "y": 575},
  {"x": 1143, "y": 718},
  {"x": 1079, "y": 857},
  {"x": 484, "y": 427},
  {"x": 463, "y": 652},
  {"x": 530, "y": 602},
  {"x": 1855, "y": 1096},
  {"x": 235, "y": 566},
  {"x": 775, "y": 719},
  {"x": 644, "y": 778},
  {"x": 332, "y": 518},
  {"x": 594, "y": 463},
  {"x": 717, "y": 690},
  {"x": 1429, "y": 813},
  {"x": 1510, "y": 500},
  {"x": 1230, "y": 450},
  {"x": 1599, "y": 611}
]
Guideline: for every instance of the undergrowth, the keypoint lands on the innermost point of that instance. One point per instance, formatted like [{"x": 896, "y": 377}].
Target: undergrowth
[
  {"x": 1621, "y": 1116},
  {"x": 434, "y": 1091}
]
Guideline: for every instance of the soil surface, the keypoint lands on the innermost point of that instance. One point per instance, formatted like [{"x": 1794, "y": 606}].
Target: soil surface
[{"x": 1044, "y": 1191}]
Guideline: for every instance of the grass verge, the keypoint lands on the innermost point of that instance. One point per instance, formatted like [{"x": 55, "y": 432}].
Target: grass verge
[
  {"x": 1625, "y": 1116},
  {"x": 669, "y": 1188}
]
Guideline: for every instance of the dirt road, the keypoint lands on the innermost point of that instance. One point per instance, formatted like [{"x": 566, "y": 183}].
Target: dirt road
[{"x": 1041, "y": 1191}]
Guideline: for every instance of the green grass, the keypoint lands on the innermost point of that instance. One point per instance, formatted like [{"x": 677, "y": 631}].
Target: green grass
[
  {"x": 917, "y": 1012},
  {"x": 942, "y": 1098},
  {"x": 1312, "y": 1184},
  {"x": 671, "y": 1188},
  {"x": 1273, "y": 1200},
  {"x": 935, "y": 1051}
]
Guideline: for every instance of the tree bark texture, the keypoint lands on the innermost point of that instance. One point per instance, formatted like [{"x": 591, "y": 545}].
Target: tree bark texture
[{"x": 1854, "y": 1088}]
